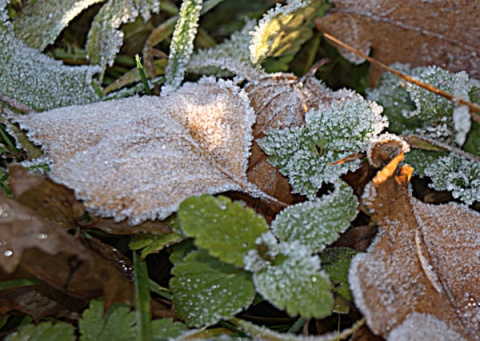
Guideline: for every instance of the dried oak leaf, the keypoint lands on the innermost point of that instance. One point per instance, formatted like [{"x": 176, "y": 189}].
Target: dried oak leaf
[
  {"x": 424, "y": 260},
  {"x": 138, "y": 158},
  {"x": 31, "y": 244},
  {"x": 281, "y": 101},
  {"x": 419, "y": 33}
]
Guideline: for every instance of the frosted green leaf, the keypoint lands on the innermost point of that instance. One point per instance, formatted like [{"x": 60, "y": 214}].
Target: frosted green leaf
[
  {"x": 181, "y": 46},
  {"x": 226, "y": 229},
  {"x": 295, "y": 283},
  {"x": 420, "y": 159},
  {"x": 38, "y": 81},
  {"x": 283, "y": 29},
  {"x": 412, "y": 109},
  {"x": 458, "y": 175},
  {"x": 331, "y": 133},
  {"x": 336, "y": 263},
  {"x": 166, "y": 329},
  {"x": 472, "y": 145},
  {"x": 151, "y": 243},
  {"x": 59, "y": 331},
  {"x": 206, "y": 290},
  {"x": 116, "y": 324},
  {"x": 40, "y": 22},
  {"x": 104, "y": 37},
  {"x": 228, "y": 58},
  {"x": 317, "y": 223}
]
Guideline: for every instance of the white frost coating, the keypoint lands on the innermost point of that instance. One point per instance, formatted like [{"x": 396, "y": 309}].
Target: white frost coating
[
  {"x": 230, "y": 57},
  {"x": 104, "y": 37},
  {"x": 253, "y": 261},
  {"x": 456, "y": 174},
  {"x": 38, "y": 81},
  {"x": 258, "y": 49},
  {"x": 424, "y": 327},
  {"x": 462, "y": 124},
  {"x": 181, "y": 46},
  {"x": 317, "y": 223},
  {"x": 140, "y": 157}
]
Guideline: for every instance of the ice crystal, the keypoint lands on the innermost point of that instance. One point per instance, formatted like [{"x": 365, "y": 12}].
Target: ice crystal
[
  {"x": 40, "y": 22},
  {"x": 39, "y": 81},
  {"x": 182, "y": 44},
  {"x": 331, "y": 133},
  {"x": 416, "y": 110},
  {"x": 230, "y": 57},
  {"x": 317, "y": 223},
  {"x": 456, "y": 174},
  {"x": 293, "y": 279},
  {"x": 140, "y": 157},
  {"x": 105, "y": 38}
]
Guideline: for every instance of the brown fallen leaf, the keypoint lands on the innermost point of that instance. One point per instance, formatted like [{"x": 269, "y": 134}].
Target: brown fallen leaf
[
  {"x": 281, "y": 101},
  {"x": 424, "y": 260},
  {"x": 44, "y": 250},
  {"x": 443, "y": 33}
]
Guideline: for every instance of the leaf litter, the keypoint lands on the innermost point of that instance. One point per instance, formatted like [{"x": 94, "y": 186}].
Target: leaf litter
[{"x": 192, "y": 142}]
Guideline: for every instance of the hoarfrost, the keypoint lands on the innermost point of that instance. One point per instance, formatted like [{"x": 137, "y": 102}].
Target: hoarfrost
[
  {"x": 456, "y": 174},
  {"x": 40, "y": 22},
  {"x": 38, "y": 81},
  {"x": 181, "y": 46},
  {"x": 331, "y": 133},
  {"x": 105, "y": 38},
  {"x": 140, "y": 157},
  {"x": 424, "y": 327},
  {"x": 317, "y": 223},
  {"x": 229, "y": 57}
]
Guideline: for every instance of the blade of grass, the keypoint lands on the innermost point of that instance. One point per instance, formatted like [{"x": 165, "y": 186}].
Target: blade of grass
[
  {"x": 141, "y": 71},
  {"x": 143, "y": 315},
  {"x": 19, "y": 283}
]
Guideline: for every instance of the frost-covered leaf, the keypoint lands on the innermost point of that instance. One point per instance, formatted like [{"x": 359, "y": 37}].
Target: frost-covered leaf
[
  {"x": 331, "y": 133},
  {"x": 104, "y": 37},
  {"x": 38, "y": 81},
  {"x": 317, "y": 223},
  {"x": 456, "y": 174},
  {"x": 181, "y": 46},
  {"x": 59, "y": 331},
  {"x": 336, "y": 263},
  {"x": 226, "y": 229},
  {"x": 281, "y": 101},
  {"x": 40, "y": 22},
  {"x": 206, "y": 290},
  {"x": 283, "y": 29},
  {"x": 432, "y": 32},
  {"x": 412, "y": 109},
  {"x": 116, "y": 324},
  {"x": 166, "y": 329},
  {"x": 423, "y": 261},
  {"x": 228, "y": 58},
  {"x": 294, "y": 282},
  {"x": 191, "y": 142}
]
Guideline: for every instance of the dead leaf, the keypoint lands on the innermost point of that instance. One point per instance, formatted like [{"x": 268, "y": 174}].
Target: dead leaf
[
  {"x": 44, "y": 250},
  {"x": 442, "y": 33},
  {"x": 138, "y": 158},
  {"x": 281, "y": 101},
  {"x": 424, "y": 260}
]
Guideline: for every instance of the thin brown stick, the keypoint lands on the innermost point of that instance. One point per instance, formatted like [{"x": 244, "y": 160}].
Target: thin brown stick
[{"x": 460, "y": 101}]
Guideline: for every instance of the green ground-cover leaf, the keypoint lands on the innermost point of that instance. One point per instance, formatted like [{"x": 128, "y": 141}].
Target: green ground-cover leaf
[
  {"x": 104, "y": 37},
  {"x": 152, "y": 243},
  {"x": 336, "y": 263},
  {"x": 38, "y": 81},
  {"x": 331, "y": 133},
  {"x": 226, "y": 229},
  {"x": 182, "y": 44},
  {"x": 317, "y": 223},
  {"x": 420, "y": 159},
  {"x": 59, "y": 331},
  {"x": 166, "y": 329},
  {"x": 206, "y": 290},
  {"x": 116, "y": 324},
  {"x": 40, "y": 22},
  {"x": 283, "y": 30},
  {"x": 294, "y": 282}
]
